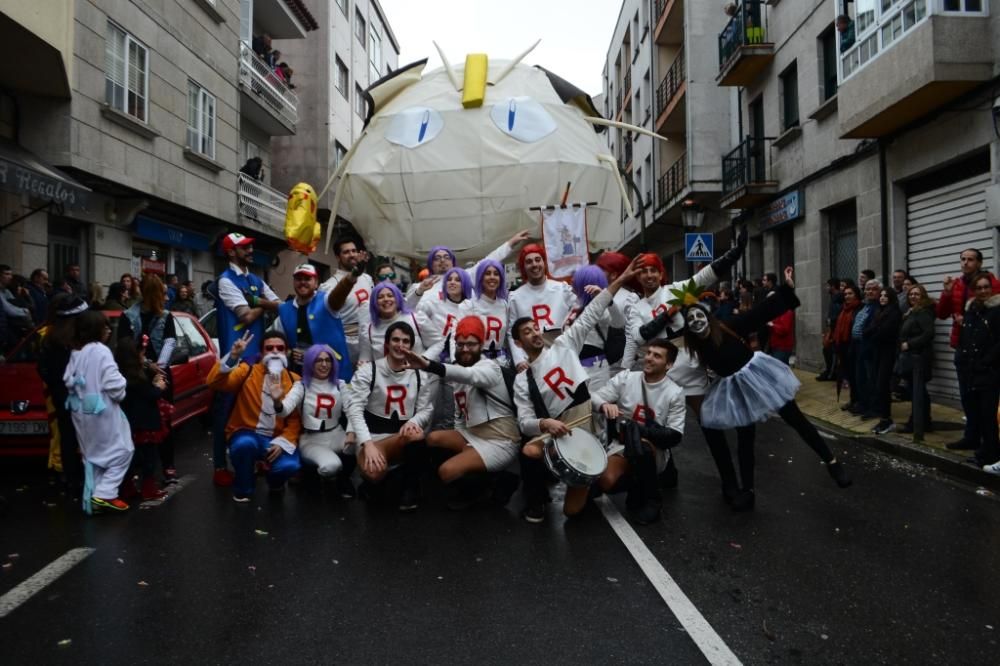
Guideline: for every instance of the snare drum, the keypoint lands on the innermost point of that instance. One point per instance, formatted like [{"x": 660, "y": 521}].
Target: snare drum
[{"x": 577, "y": 459}]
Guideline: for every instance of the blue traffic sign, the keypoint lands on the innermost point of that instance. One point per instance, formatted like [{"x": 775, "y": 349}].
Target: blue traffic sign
[{"x": 699, "y": 247}]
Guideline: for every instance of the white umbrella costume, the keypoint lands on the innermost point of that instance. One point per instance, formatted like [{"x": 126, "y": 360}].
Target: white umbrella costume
[{"x": 434, "y": 168}]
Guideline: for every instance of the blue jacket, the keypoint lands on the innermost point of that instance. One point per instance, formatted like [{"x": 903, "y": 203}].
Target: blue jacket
[
  {"x": 325, "y": 328},
  {"x": 230, "y": 328}
]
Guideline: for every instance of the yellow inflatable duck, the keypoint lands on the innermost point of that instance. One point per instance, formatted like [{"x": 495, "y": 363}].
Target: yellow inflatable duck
[{"x": 302, "y": 230}]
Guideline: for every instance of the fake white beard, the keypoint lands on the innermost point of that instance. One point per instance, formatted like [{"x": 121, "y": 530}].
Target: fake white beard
[{"x": 275, "y": 363}]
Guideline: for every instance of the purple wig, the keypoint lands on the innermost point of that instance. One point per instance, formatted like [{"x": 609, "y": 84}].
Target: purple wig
[
  {"x": 309, "y": 360},
  {"x": 481, "y": 271},
  {"x": 463, "y": 277},
  {"x": 373, "y": 300},
  {"x": 435, "y": 250},
  {"x": 584, "y": 277}
]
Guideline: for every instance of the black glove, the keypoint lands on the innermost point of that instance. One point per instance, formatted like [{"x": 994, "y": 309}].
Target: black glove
[
  {"x": 724, "y": 264},
  {"x": 632, "y": 440},
  {"x": 661, "y": 437},
  {"x": 652, "y": 329},
  {"x": 435, "y": 368}
]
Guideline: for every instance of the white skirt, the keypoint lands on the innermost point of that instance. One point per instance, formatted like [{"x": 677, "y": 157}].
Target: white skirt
[{"x": 762, "y": 386}]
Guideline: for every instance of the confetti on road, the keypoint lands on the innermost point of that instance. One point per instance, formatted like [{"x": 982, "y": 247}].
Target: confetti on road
[
  {"x": 13, "y": 556},
  {"x": 66, "y": 642},
  {"x": 260, "y": 532},
  {"x": 612, "y": 580},
  {"x": 143, "y": 583},
  {"x": 8, "y": 566},
  {"x": 121, "y": 561},
  {"x": 735, "y": 546}
]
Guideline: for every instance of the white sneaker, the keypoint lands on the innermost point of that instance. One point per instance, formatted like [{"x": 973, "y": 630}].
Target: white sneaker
[{"x": 992, "y": 469}]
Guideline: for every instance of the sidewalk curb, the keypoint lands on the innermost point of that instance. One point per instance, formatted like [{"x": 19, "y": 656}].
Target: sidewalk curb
[{"x": 907, "y": 449}]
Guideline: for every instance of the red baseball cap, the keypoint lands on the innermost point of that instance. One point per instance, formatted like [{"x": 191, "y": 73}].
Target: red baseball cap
[{"x": 235, "y": 240}]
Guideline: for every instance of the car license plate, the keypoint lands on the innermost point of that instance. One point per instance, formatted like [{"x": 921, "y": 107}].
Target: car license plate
[{"x": 24, "y": 427}]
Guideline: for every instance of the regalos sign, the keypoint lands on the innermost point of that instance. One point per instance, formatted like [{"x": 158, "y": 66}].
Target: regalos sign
[{"x": 20, "y": 179}]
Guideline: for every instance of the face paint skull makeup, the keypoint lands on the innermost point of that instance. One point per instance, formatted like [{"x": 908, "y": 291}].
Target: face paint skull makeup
[{"x": 697, "y": 321}]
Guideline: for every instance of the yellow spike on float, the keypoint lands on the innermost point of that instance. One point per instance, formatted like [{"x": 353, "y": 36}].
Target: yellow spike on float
[{"x": 474, "y": 91}]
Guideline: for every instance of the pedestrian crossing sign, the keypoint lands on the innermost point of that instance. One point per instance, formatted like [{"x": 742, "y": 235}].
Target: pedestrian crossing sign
[{"x": 699, "y": 247}]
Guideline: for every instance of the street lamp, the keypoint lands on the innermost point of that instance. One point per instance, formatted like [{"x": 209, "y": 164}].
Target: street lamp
[{"x": 692, "y": 214}]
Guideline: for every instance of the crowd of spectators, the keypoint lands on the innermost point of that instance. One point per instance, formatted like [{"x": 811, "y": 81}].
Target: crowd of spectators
[{"x": 879, "y": 345}]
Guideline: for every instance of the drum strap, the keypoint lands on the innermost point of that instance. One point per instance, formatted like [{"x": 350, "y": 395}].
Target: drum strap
[{"x": 541, "y": 411}]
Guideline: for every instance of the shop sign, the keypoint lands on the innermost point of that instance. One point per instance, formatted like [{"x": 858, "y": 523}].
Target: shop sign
[
  {"x": 153, "y": 266},
  {"x": 784, "y": 209}
]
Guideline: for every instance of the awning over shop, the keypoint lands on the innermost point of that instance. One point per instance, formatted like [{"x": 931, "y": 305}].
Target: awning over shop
[
  {"x": 22, "y": 172},
  {"x": 154, "y": 230}
]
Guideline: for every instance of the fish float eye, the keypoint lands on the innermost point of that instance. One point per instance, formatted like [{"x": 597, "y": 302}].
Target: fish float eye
[
  {"x": 522, "y": 118},
  {"x": 413, "y": 127}
]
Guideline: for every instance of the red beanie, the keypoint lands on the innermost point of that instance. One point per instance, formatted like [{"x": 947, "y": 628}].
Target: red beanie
[
  {"x": 471, "y": 326},
  {"x": 613, "y": 262},
  {"x": 530, "y": 248}
]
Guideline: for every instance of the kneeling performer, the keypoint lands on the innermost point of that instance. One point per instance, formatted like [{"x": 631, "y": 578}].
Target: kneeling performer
[
  {"x": 486, "y": 438},
  {"x": 388, "y": 406},
  {"x": 649, "y": 409},
  {"x": 565, "y": 399}
]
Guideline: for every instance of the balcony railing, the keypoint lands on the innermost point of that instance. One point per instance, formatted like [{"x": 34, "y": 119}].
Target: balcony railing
[
  {"x": 672, "y": 182},
  {"x": 261, "y": 203},
  {"x": 627, "y": 81},
  {"x": 628, "y": 152},
  {"x": 747, "y": 27},
  {"x": 661, "y": 6},
  {"x": 671, "y": 83},
  {"x": 264, "y": 84},
  {"x": 746, "y": 164}
]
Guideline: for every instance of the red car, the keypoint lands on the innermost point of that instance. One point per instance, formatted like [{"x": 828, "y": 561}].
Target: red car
[{"x": 24, "y": 424}]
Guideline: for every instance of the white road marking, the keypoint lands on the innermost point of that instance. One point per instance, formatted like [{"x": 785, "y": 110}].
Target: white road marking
[
  {"x": 701, "y": 632},
  {"x": 32, "y": 586}
]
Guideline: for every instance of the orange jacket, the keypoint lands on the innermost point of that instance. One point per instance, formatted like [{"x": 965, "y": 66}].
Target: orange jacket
[{"x": 247, "y": 381}]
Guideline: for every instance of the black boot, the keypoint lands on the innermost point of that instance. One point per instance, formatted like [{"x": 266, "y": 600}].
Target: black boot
[
  {"x": 413, "y": 457},
  {"x": 649, "y": 487},
  {"x": 505, "y": 484},
  {"x": 668, "y": 477},
  {"x": 343, "y": 483},
  {"x": 839, "y": 474}
]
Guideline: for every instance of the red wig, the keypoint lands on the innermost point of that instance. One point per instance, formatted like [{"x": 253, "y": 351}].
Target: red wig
[
  {"x": 653, "y": 260},
  {"x": 613, "y": 262},
  {"x": 471, "y": 326},
  {"x": 532, "y": 248}
]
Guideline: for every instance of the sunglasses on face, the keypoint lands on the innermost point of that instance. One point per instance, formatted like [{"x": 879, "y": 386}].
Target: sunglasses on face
[
  {"x": 387, "y": 276},
  {"x": 274, "y": 348}
]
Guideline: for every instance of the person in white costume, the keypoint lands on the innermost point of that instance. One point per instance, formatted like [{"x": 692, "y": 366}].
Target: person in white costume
[
  {"x": 546, "y": 302},
  {"x": 387, "y": 307},
  {"x": 552, "y": 392},
  {"x": 441, "y": 259},
  {"x": 389, "y": 406},
  {"x": 486, "y": 437},
  {"x": 96, "y": 389},
  {"x": 652, "y": 410},
  {"x": 354, "y": 312},
  {"x": 324, "y": 440},
  {"x": 490, "y": 305}
]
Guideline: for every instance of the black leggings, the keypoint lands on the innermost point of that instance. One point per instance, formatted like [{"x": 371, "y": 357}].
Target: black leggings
[{"x": 745, "y": 439}]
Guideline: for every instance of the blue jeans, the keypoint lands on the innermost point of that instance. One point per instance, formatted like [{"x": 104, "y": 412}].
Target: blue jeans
[{"x": 247, "y": 447}]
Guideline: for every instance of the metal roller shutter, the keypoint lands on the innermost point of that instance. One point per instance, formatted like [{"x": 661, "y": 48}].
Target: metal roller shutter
[{"x": 939, "y": 225}]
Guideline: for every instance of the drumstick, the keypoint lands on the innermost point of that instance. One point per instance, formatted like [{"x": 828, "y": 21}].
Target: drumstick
[{"x": 572, "y": 424}]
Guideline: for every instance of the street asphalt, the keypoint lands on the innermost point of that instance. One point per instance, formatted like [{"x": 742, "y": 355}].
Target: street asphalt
[{"x": 900, "y": 568}]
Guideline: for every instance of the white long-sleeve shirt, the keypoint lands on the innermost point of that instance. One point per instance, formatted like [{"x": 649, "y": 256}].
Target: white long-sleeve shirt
[
  {"x": 354, "y": 313},
  {"x": 442, "y": 316},
  {"x": 557, "y": 370},
  {"x": 371, "y": 342},
  {"x": 665, "y": 406},
  {"x": 548, "y": 304},
  {"x": 391, "y": 394},
  {"x": 479, "y": 390},
  {"x": 414, "y": 300},
  {"x": 321, "y": 403},
  {"x": 645, "y": 309},
  {"x": 493, "y": 312}
]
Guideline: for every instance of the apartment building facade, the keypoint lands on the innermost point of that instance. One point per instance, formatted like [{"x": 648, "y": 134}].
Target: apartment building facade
[
  {"x": 150, "y": 127},
  {"x": 866, "y": 137},
  {"x": 355, "y": 48},
  {"x": 659, "y": 75}
]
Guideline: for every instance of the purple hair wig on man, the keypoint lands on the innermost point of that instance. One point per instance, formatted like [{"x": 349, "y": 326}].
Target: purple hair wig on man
[
  {"x": 435, "y": 250},
  {"x": 584, "y": 277},
  {"x": 463, "y": 276},
  {"x": 481, "y": 272},
  {"x": 373, "y": 300},
  {"x": 309, "y": 361}
]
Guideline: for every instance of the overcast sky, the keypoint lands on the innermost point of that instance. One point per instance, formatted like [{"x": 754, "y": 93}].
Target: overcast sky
[{"x": 575, "y": 34}]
